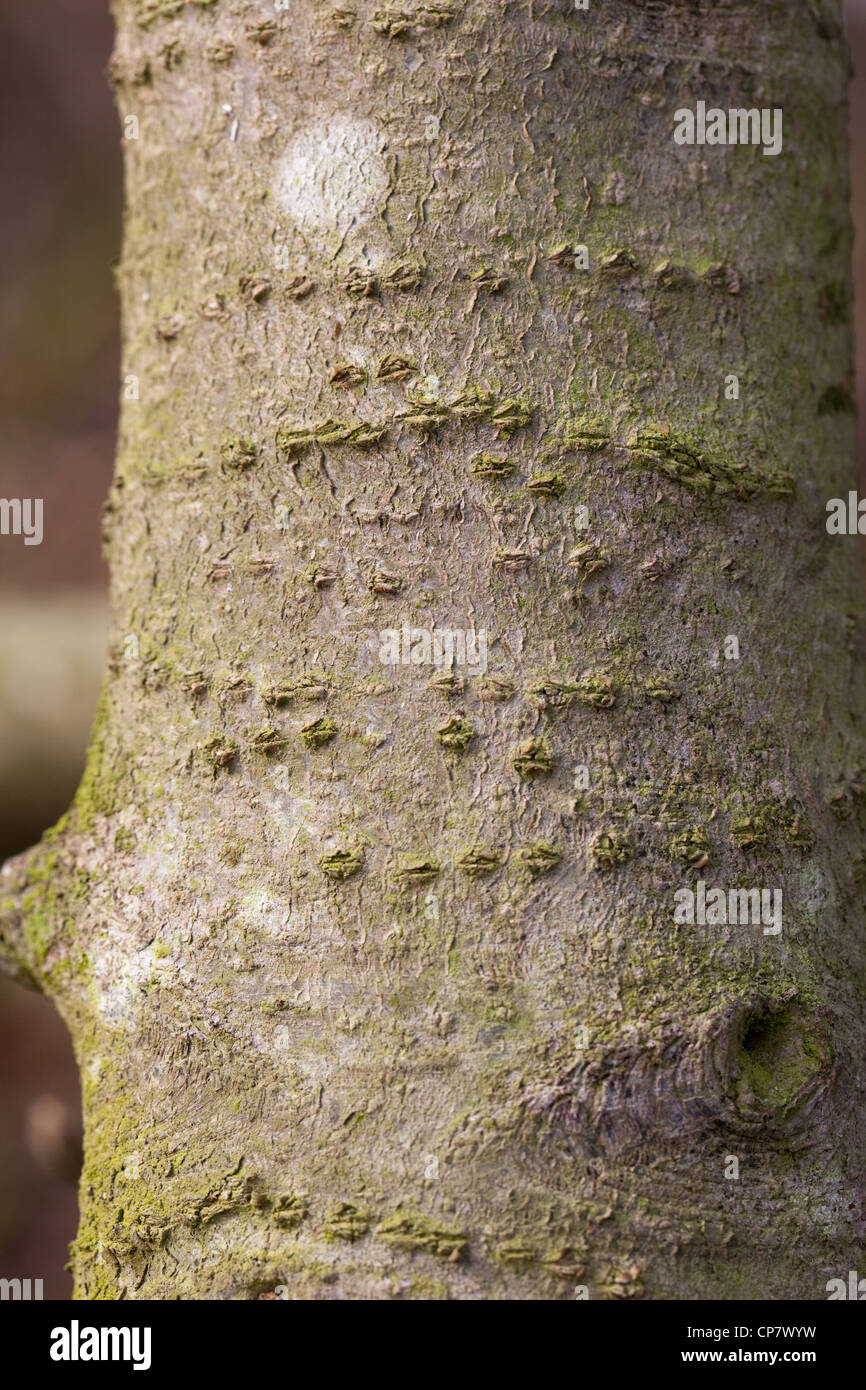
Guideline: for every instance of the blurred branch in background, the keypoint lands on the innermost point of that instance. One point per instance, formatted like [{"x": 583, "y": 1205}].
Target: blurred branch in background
[{"x": 52, "y": 654}]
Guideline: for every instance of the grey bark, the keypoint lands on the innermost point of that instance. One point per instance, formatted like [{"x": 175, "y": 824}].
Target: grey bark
[{"x": 372, "y": 996}]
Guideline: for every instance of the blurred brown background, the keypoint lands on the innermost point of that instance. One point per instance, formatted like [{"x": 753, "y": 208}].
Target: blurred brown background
[{"x": 60, "y": 171}]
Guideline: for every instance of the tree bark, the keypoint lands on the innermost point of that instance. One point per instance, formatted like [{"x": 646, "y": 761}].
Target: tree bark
[{"x": 372, "y": 968}]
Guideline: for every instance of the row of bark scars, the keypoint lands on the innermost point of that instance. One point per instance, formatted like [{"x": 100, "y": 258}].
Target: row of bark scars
[
  {"x": 423, "y": 416},
  {"x": 406, "y": 275},
  {"x": 391, "y": 20},
  {"x": 401, "y": 276},
  {"x": 657, "y": 447},
  {"x": 136, "y": 1238},
  {"x": 774, "y": 828},
  {"x": 755, "y": 1071},
  {"x": 397, "y": 20}
]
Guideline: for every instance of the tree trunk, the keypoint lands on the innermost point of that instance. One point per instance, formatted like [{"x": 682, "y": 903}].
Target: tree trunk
[{"x": 376, "y": 968}]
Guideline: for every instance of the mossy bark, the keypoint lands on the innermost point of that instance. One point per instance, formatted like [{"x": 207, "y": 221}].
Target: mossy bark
[{"x": 373, "y": 995}]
